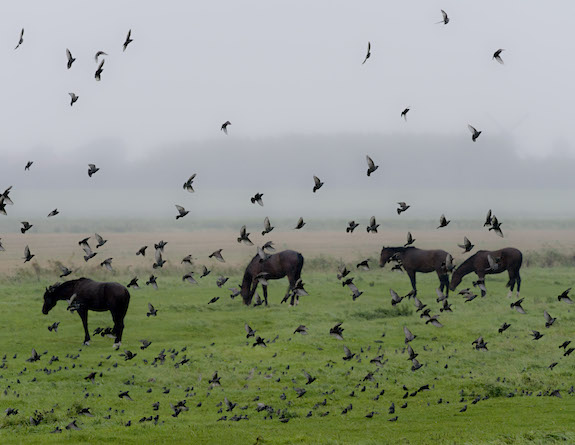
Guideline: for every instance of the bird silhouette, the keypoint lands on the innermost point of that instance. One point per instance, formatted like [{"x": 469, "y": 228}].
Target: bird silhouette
[
  {"x": 368, "y": 55},
  {"x": 371, "y": 167},
  {"x": 474, "y": 133},
  {"x": 317, "y": 184},
  {"x": 21, "y": 40},
  {"x": 128, "y": 40},
  {"x": 73, "y": 98},
  {"x": 445, "y": 20},
  {"x": 257, "y": 198},
  {"x": 225, "y": 127},
  {"x": 497, "y": 56}
]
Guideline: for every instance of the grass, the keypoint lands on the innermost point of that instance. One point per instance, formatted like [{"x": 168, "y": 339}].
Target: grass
[{"x": 214, "y": 340}]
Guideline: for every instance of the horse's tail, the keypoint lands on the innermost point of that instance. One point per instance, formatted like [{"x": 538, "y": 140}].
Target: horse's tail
[
  {"x": 300, "y": 261},
  {"x": 246, "y": 292}
]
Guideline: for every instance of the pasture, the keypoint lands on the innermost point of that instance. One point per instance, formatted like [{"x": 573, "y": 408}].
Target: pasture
[{"x": 511, "y": 382}]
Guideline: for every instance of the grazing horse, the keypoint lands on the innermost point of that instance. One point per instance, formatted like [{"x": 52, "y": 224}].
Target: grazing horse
[
  {"x": 287, "y": 263},
  {"x": 417, "y": 260},
  {"x": 508, "y": 259},
  {"x": 84, "y": 294}
]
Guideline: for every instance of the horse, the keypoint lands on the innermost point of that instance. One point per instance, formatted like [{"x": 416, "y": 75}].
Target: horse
[
  {"x": 84, "y": 294},
  {"x": 286, "y": 263},
  {"x": 418, "y": 260},
  {"x": 508, "y": 259}
]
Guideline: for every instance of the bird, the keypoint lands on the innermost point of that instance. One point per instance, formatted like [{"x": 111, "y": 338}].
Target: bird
[
  {"x": 250, "y": 332},
  {"x": 300, "y": 223},
  {"x": 152, "y": 312},
  {"x": 443, "y": 221},
  {"x": 479, "y": 343},
  {"x": 415, "y": 365},
  {"x": 402, "y": 207},
  {"x": 98, "y": 54},
  {"x": 145, "y": 344},
  {"x": 487, "y": 219},
  {"x": 72, "y": 426},
  {"x": 99, "y": 70},
  {"x": 125, "y": 395},
  {"x": 269, "y": 246},
  {"x": 101, "y": 241},
  {"x": 92, "y": 169},
  {"x": 445, "y": 20},
  {"x": 244, "y": 237},
  {"x": 188, "y": 184},
  {"x": 259, "y": 341},
  {"x": 73, "y": 98},
  {"x": 372, "y": 227},
  {"x": 368, "y": 55},
  {"x": 181, "y": 212},
  {"x": 410, "y": 240},
  {"x": 474, "y": 133},
  {"x": 205, "y": 272},
  {"x": 152, "y": 282},
  {"x": 28, "y": 165},
  {"x": 317, "y": 184},
  {"x": 337, "y": 331},
  {"x": 107, "y": 263},
  {"x": 189, "y": 277},
  {"x": 225, "y": 127},
  {"x": 503, "y": 327},
  {"x": 371, "y": 167},
  {"x": 221, "y": 281},
  {"x": 27, "y": 255},
  {"x": 395, "y": 298},
  {"x": 493, "y": 263},
  {"x": 91, "y": 376},
  {"x": 21, "y": 40},
  {"x": 229, "y": 405},
  {"x": 142, "y": 251},
  {"x": 257, "y": 198},
  {"x": 549, "y": 320},
  {"x": 363, "y": 264},
  {"x": 404, "y": 113},
  {"x": 87, "y": 249},
  {"x": 342, "y": 272},
  {"x": 434, "y": 321},
  {"x": 466, "y": 246},
  {"x": 351, "y": 225},
  {"x": 536, "y": 335},
  {"x": 348, "y": 354},
  {"x": 497, "y": 56},
  {"x": 65, "y": 271},
  {"x": 517, "y": 306},
  {"x": 408, "y": 335},
  {"x": 565, "y": 297},
  {"x": 128, "y": 40},
  {"x": 159, "y": 261},
  {"x": 71, "y": 59},
  {"x": 301, "y": 329},
  {"x": 25, "y": 226},
  {"x": 565, "y": 344},
  {"x": 34, "y": 357},
  {"x": 496, "y": 226},
  {"x": 267, "y": 226},
  {"x": 133, "y": 283},
  {"x": 218, "y": 256},
  {"x": 3, "y": 205},
  {"x": 54, "y": 326}
]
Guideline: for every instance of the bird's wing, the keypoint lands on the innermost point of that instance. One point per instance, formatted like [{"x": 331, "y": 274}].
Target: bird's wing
[
  {"x": 471, "y": 129},
  {"x": 370, "y": 163},
  {"x": 180, "y": 209}
]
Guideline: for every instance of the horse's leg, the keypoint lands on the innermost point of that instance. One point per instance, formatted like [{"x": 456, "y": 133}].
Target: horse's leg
[
  {"x": 518, "y": 279},
  {"x": 83, "y": 313},
  {"x": 265, "y": 288},
  {"x": 481, "y": 279},
  {"x": 411, "y": 275},
  {"x": 444, "y": 282},
  {"x": 118, "y": 317}
]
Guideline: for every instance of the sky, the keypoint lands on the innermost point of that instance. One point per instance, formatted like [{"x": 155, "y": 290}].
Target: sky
[{"x": 290, "y": 79}]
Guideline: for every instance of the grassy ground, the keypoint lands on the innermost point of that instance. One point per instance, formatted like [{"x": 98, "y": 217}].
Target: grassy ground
[{"x": 511, "y": 373}]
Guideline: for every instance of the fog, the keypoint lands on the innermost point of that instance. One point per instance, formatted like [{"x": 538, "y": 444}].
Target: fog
[{"x": 289, "y": 77}]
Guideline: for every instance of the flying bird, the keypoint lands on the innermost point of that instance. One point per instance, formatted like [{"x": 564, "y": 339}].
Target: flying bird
[
  {"x": 257, "y": 198},
  {"x": 152, "y": 282},
  {"x": 73, "y": 98},
  {"x": 98, "y": 54},
  {"x": 189, "y": 277},
  {"x": 503, "y": 327},
  {"x": 371, "y": 167},
  {"x": 402, "y": 207},
  {"x": 497, "y": 56},
  {"x": 301, "y": 329},
  {"x": 25, "y": 226},
  {"x": 65, "y": 271},
  {"x": 410, "y": 240},
  {"x": 443, "y": 221},
  {"x": 351, "y": 225},
  {"x": 99, "y": 70},
  {"x": 225, "y": 126},
  {"x": 188, "y": 184},
  {"x": 142, "y": 251},
  {"x": 53, "y": 213},
  {"x": 445, "y": 20},
  {"x": 244, "y": 237},
  {"x": 487, "y": 219},
  {"x": 128, "y": 40},
  {"x": 181, "y": 212},
  {"x": 152, "y": 312},
  {"x": 159, "y": 260},
  {"x": 496, "y": 226},
  {"x": 317, "y": 184},
  {"x": 134, "y": 283},
  {"x": 565, "y": 297},
  {"x": 367, "y": 56},
  {"x": 404, "y": 113},
  {"x": 101, "y": 241},
  {"x": 107, "y": 263},
  {"x": 71, "y": 59},
  {"x": 348, "y": 354},
  {"x": 549, "y": 320},
  {"x": 408, "y": 335},
  {"x": 517, "y": 306},
  {"x": 337, "y": 331},
  {"x": 205, "y": 272},
  {"x": 28, "y": 165},
  {"x": 92, "y": 169},
  {"x": 466, "y": 246},
  {"x": 474, "y": 133},
  {"x": 218, "y": 256},
  {"x": 300, "y": 223},
  {"x": 21, "y": 40},
  {"x": 372, "y": 227},
  {"x": 267, "y": 226}
]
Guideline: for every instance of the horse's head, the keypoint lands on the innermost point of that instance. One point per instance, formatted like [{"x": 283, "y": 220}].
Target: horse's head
[
  {"x": 245, "y": 292},
  {"x": 386, "y": 254},
  {"x": 456, "y": 278},
  {"x": 50, "y": 298}
]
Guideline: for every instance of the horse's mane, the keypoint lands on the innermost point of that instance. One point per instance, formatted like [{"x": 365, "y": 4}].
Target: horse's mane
[{"x": 66, "y": 285}]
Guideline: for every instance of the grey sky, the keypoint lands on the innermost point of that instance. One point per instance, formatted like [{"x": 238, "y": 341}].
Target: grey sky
[{"x": 288, "y": 75}]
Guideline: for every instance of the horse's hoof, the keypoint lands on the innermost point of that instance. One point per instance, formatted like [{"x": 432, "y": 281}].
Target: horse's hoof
[
  {"x": 509, "y": 294},
  {"x": 86, "y": 343},
  {"x": 117, "y": 345}
]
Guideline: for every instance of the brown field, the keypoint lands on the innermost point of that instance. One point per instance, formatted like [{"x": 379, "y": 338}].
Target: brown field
[{"x": 63, "y": 247}]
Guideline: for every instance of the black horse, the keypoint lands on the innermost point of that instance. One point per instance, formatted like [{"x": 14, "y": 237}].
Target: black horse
[
  {"x": 86, "y": 295},
  {"x": 287, "y": 263},
  {"x": 415, "y": 260},
  {"x": 490, "y": 262}
]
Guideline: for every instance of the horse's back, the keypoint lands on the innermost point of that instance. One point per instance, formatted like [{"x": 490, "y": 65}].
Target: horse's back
[{"x": 103, "y": 295}]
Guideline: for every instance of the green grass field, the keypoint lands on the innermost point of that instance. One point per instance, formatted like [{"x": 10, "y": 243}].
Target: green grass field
[{"x": 511, "y": 373}]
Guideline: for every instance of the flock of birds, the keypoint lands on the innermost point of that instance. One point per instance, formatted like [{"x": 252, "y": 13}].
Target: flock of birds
[{"x": 244, "y": 237}]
